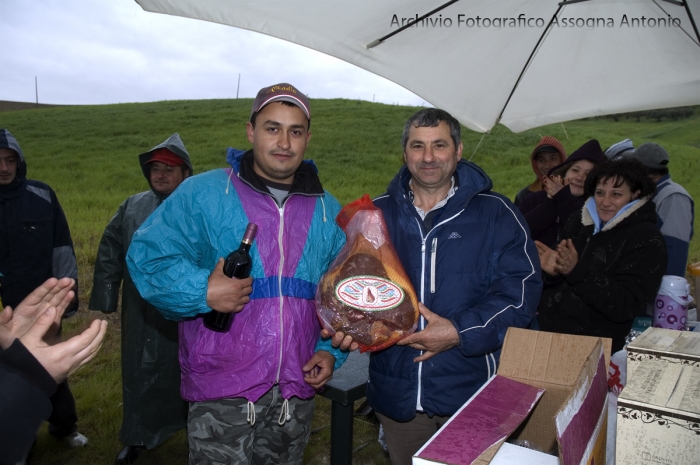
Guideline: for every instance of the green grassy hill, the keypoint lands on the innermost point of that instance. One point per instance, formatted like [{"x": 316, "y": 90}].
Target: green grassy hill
[{"x": 88, "y": 154}]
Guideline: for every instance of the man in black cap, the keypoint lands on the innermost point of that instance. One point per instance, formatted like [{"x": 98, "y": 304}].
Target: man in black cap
[{"x": 674, "y": 206}]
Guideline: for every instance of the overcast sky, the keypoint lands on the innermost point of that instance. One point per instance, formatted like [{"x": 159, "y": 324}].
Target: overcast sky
[{"x": 111, "y": 51}]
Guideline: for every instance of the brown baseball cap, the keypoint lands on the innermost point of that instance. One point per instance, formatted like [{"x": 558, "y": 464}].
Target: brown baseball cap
[{"x": 282, "y": 92}]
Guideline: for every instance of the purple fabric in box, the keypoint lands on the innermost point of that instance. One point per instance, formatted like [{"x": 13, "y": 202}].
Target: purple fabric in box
[
  {"x": 575, "y": 439},
  {"x": 489, "y": 417}
]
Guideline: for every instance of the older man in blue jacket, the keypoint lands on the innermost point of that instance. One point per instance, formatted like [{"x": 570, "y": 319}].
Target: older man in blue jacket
[{"x": 470, "y": 258}]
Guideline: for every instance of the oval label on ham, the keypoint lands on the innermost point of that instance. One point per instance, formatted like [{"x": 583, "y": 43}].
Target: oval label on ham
[{"x": 369, "y": 293}]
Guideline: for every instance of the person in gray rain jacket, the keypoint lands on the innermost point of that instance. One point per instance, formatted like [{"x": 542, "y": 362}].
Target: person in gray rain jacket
[{"x": 153, "y": 408}]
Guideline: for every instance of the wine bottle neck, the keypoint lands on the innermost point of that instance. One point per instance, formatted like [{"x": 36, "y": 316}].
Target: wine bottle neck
[{"x": 245, "y": 245}]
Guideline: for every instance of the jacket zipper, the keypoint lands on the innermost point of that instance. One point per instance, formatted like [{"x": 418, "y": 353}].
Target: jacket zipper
[
  {"x": 281, "y": 267},
  {"x": 422, "y": 287},
  {"x": 433, "y": 255},
  {"x": 422, "y": 320},
  {"x": 279, "y": 287}
]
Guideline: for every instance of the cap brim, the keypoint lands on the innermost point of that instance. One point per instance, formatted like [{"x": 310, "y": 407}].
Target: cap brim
[{"x": 284, "y": 98}]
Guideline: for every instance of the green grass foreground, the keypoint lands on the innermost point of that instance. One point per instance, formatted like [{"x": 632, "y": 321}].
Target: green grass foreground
[{"x": 88, "y": 155}]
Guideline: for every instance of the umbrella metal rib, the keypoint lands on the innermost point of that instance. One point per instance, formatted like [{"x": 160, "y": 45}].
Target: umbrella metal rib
[
  {"x": 376, "y": 42},
  {"x": 532, "y": 55},
  {"x": 692, "y": 20},
  {"x": 685, "y": 6},
  {"x": 548, "y": 28}
]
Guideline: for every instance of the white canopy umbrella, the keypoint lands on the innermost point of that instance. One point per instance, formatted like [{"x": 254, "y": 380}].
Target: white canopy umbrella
[{"x": 521, "y": 63}]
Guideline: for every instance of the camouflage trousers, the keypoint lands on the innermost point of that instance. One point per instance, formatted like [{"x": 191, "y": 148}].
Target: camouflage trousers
[{"x": 219, "y": 431}]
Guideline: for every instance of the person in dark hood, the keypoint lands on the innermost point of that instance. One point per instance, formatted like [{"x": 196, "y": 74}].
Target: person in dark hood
[
  {"x": 547, "y": 154},
  {"x": 153, "y": 408},
  {"x": 35, "y": 245}
]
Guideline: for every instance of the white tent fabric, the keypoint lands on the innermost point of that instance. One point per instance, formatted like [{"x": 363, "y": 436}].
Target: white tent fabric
[{"x": 597, "y": 57}]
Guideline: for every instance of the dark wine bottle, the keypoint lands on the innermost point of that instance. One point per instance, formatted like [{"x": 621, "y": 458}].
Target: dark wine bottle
[{"x": 237, "y": 265}]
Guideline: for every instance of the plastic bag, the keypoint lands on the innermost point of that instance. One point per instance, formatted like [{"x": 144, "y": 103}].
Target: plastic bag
[{"x": 366, "y": 293}]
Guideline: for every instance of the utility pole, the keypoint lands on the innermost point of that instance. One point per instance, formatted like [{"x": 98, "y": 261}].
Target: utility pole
[
  {"x": 239, "y": 85},
  {"x": 36, "y": 91}
]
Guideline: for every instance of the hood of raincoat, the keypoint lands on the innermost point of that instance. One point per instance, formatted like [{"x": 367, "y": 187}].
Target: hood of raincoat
[
  {"x": 546, "y": 141},
  {"x": 589, "y": 151},
  {"x": 8, "y": 141},
  {"x": 175, "y": 145}
]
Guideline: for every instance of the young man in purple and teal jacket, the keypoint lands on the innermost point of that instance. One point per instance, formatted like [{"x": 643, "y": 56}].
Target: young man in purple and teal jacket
[{"x": 251, "y": 388}]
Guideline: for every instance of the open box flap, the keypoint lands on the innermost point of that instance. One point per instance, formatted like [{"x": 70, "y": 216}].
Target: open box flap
[
  {"x": 478, "y": 429},
  {"x": 552, "y": 361},
  {"x": 578, "y": 418}
]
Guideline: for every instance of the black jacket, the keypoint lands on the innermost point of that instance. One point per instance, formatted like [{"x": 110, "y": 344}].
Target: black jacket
[
  {"x": 547, "y": 217},
  {"x": 35, "y": 242},
  {"x": 25, "y": 389},
  {"x": 618, "y": 273}
]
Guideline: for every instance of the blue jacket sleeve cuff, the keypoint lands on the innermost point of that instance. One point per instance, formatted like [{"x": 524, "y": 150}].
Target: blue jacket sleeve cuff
[{"x": 340, "y": 355}]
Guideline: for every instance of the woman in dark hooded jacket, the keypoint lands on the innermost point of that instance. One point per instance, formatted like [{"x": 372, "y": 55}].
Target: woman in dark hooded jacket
[
  {"x": 548, "y": 210},
  {"x": 612, "y": 258}
]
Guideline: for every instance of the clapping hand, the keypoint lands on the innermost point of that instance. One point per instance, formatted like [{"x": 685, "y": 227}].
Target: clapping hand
[
  {"x": 63, "y": 359},
  {"x": 53, "y": 293},
  {"x": 560, "y": 261},
  {"x": 567, "y": 257},
  {"x": 552, "y": 185}
]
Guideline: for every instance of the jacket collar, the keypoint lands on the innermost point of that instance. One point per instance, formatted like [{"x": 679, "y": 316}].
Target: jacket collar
[
  {"x": 663, "y": 182},
  {"x": 306, "y": 180},
  {"x": 470, "y": 179},
  {"x": 589, "y": 214},
  {"x": 12, "y": 190}
]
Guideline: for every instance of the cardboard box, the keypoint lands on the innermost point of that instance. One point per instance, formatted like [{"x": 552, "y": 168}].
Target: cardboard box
[
  {"x": 658, "y": 414},
  {"x": 569, "y": 420},
  {"x": 667, "y": 345},
  {"x": 489, "y": 417},
  {"x": 510, "y": 454}
]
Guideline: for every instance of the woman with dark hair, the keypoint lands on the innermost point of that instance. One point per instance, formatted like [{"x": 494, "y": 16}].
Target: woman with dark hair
[
  {"x": 611, "y": 260},
  {"x": 547, "y": 211}
]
